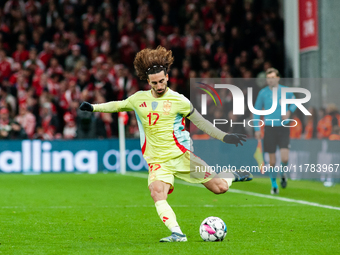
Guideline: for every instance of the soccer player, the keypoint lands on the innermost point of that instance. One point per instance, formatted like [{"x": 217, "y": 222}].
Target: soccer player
[
  {"x": 161, "y": 114},
  {"x": 275, "y": 135}
]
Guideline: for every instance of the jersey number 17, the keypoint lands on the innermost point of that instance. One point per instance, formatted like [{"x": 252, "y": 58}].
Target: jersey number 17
[{"x": 149, "y": 116}]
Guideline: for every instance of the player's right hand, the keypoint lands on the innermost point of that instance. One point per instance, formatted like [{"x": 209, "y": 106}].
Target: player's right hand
[
  {"x": 85, "y": 106},
  {"x": 234, "y": 138}
]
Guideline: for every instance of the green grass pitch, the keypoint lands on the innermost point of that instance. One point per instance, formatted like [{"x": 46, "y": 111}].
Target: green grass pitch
[{"x": 114, "y": 214}]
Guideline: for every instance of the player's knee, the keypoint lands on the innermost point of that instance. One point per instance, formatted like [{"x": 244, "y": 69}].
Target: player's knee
[
  {"x": 157, "y": 193},
  {"x": 224, "y": 189},
  {"x": 221, "y": 188}
]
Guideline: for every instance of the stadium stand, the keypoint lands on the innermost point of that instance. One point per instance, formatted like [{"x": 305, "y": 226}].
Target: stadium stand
[{"x": 56, "y": 54}]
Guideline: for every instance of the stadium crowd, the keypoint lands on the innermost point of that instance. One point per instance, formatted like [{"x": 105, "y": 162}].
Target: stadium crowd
[{"x": 55, "y": 54}]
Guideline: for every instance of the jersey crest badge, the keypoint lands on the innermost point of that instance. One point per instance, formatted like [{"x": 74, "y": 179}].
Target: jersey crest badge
[
  {"x": 167, "y": 107},
  {"x": 154, "y": 105}
]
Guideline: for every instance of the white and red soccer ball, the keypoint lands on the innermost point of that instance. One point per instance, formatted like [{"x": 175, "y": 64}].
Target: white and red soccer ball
[{"x": 213, "y": 229}]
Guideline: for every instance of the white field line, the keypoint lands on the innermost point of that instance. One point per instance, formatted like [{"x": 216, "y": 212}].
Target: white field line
[
  {"x": 232, "y": 190},
  {"x": 132, "y": 206}
]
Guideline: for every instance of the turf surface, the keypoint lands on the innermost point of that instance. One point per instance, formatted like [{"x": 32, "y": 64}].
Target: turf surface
[{"x": 114, "y": 214}]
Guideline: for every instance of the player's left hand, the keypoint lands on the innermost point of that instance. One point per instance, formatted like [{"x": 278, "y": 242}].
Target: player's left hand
[{"x": 234, "y": 138}]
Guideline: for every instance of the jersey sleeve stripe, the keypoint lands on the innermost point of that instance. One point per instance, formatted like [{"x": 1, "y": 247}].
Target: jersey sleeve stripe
[{"x": 192, "y": 111}]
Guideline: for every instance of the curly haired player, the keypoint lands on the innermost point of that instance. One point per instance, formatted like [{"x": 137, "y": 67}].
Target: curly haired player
[{"x": 161, "y": 113}]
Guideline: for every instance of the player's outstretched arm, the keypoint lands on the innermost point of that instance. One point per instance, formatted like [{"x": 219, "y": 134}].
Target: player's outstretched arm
[
  {"x": 114, "y": 106},
  {"x": 207, "y": 127}
]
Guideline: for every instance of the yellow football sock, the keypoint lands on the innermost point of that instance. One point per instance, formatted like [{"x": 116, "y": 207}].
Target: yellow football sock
[{"x": 166, "y": 214}]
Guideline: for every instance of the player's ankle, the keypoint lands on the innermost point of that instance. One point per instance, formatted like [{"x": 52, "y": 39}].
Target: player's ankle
[{"x": 177, "y": 229}]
